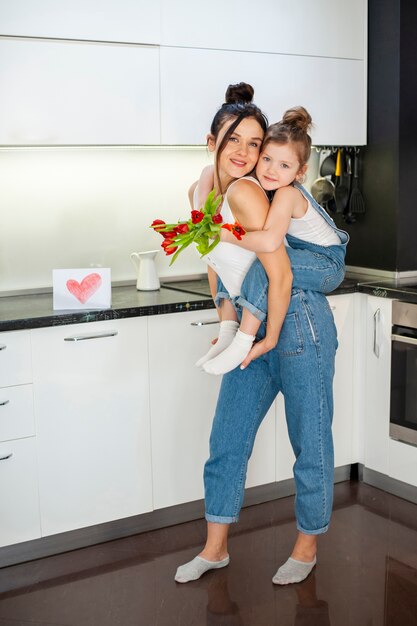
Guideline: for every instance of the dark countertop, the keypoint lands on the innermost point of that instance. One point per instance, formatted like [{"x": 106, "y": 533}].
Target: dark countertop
[{"x": 35, "y": 310}]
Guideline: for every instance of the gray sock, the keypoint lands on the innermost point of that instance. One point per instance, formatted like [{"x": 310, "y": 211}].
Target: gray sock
[
  {"x": 197, "y": 567},
  {"x": 293, "y": 571}
]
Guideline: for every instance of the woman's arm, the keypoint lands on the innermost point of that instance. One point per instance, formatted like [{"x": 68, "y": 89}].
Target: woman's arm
[{"x": 276, "y": 224}]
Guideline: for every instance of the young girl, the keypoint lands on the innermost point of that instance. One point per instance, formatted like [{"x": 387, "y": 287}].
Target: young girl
[{"x": 281, "y": 165}]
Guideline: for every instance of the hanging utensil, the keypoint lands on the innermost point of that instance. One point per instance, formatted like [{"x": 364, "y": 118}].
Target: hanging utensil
[
  {"x": 343, "y": 182},
  {"x": 347, "y": 213},
  {"x": 322, "y": 190},
  {"x": 328, "y": 166},
  {"x": 356, "y": 202}
]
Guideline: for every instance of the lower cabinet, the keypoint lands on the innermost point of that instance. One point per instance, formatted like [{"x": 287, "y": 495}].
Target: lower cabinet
[
  {"x": 19, "y": 504},
  {"x": 343, "y": 387},
  {"x": 378, "y": 381},
  {"x": 183, "y": 401},
  {"x": 92, "y": 420}
]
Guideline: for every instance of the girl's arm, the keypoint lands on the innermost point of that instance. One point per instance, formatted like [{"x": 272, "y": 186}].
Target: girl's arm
[
  {"x": 276, "y": 224},
  {"x": 243, "y": 197}
]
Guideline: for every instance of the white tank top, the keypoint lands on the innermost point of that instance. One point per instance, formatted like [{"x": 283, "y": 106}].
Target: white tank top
[
  {"x": 230, "y": 262},
  {"x": 312, "y": 227}
]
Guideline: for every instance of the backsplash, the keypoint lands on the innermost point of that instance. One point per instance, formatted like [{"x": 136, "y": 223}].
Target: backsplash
[{"x": 91, "y": 207}]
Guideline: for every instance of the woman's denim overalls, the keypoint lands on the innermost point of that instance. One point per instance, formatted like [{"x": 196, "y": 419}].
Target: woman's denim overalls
[{"x": 302, "y": 368}]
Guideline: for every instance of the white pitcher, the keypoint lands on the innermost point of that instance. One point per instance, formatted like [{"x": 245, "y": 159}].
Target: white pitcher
[{"x": 144, "y": 263}]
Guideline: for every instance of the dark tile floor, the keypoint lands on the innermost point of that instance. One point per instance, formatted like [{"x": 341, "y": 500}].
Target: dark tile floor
[{"x": 366, "y": 574}]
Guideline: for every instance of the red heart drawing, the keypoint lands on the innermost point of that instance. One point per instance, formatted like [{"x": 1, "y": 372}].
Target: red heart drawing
[{"x": 84, "y": 290}]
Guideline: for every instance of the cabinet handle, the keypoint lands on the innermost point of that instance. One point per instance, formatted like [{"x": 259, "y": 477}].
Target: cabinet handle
[
  {"x": 402, "y": 339},
  {"x": 3, "y": 346},
  {"x": 109, "y": 333},
  {"x": 205, "y": 322},
  {"x": 377, "y": 317},
  {"x": 6, "y": 456},
  {"x": 3, "y": 402}
]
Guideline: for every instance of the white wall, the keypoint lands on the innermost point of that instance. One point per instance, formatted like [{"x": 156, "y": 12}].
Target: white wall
[
  {"x": 82, "y": 207},
  {"x": 90, "y": 207}
]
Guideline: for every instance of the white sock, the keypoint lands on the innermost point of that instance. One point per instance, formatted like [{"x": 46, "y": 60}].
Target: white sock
[
  {"x": 293, "y": 571},
  {"x": 227, "y": 331},
  {"x": 232, "y": 356},
  {"x": 196, "y": 568}
]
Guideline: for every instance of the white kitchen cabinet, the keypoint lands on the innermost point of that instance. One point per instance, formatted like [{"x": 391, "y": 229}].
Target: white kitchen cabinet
[
  {"x": 402, "y": 462},
  {"x": 16, "y": 412},
  {"x": 91, "y": 398},
  {"x": 131, "y": 21},
  {"x": 319, "y": 28},
  {"x": 19, "y": 503},
  {"x": 60, "y": 92},
  {"x": 298, "y": 80},
  {"x": 183, "y": 401},
  {"x": 343, "y": 309},
  {"x": 15, "y": 358},
  {"x": 378, "y": 380}
]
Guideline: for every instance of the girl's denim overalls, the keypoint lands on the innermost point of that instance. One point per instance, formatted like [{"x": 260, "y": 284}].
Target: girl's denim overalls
[{"x": 302, "y": 368}]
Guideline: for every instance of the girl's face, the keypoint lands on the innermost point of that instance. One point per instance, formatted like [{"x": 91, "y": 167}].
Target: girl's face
[
  {"x": 278, "y": 166},
  {"x": 241, "y": 151}
]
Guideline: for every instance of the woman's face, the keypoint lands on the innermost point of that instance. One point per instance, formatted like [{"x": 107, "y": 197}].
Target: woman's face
[
  {"x": 241, "y": 151},
  {"x": 278, "y": 166}
]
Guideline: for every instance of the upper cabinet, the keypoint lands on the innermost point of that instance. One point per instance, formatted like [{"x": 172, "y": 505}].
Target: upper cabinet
[
  {"x": 321, "y": 28},
  {"x": 137, "y": 72},
  {"x": 132, "y": 21},
  {"x": 333, "y": 91},
  {"x": 56, "y": 92}
]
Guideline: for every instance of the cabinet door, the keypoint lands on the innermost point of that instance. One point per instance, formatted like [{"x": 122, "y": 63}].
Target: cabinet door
[
  {"x": 343, "y": 393},
  {"x": 299, "y": 80},
  {"x": 183, "y": 401},
  {"x": 132, "y": 21},
  {"x": 91, "y": 400},
  {"x": 319, "y": 28},
  {"x": 78, "y": 93},
  {"x": 19, "y": 502},
  {"x": 378, "y": 381},
  {"x": 15, "y": 358}
]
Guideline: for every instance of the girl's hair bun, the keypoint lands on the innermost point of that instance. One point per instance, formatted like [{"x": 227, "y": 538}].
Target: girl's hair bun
[
  {"x": 241, "y": 92},
  {"x": 298, "y": 118}
]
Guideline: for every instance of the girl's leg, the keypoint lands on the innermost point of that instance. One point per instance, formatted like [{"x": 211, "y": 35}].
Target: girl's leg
[
  {"x": 244, "y": 399},
  {"x": 227, "y": 331},
  {"x": 232, "y": 356},
  {"x": 252, "y": 303}
]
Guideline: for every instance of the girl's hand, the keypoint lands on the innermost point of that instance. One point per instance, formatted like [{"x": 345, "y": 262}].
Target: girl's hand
[
  {"x": 226, "y": 236},
  {"x": 259, "y": 348}
]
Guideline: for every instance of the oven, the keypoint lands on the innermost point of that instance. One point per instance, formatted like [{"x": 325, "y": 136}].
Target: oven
[{"x": 403, "y": 411}]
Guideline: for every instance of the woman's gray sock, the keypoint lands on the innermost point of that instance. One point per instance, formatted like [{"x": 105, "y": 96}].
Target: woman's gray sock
[
  {"x": 196, "y": 568},
  {"x": 293, "y": 571}
]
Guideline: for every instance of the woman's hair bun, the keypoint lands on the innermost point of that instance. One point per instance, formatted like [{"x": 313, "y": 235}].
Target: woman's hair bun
[
  {"x": 299, "y": 118},
  {"x": 241, "y": 92}
]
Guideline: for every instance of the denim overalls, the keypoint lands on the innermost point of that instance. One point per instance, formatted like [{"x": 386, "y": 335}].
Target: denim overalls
[{"x": 301, "y": 366}]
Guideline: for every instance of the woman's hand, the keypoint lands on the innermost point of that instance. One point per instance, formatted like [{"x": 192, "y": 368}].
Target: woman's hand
[{"x": 259, "y": 348}]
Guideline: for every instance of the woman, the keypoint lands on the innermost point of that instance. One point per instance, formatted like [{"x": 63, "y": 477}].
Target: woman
[{"x": 301, "y": 366}]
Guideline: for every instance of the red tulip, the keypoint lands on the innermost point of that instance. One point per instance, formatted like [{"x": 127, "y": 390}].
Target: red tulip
[
  {"x": 196, "y": 216},
  {"x": 217, "y": 219},
  {"x": 157, "y": 223},
  {"x": 181, "y": 229}
]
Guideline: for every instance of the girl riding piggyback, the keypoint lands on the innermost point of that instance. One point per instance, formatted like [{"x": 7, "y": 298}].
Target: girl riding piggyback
[{"x": 315, "y": 246}]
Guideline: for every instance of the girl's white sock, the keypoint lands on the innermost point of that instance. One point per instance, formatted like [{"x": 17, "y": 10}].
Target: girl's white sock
[
  {"x": 227, "y": 332},
  {"x": 196, "y": 568},
  {"x": 232, "y": 356}
]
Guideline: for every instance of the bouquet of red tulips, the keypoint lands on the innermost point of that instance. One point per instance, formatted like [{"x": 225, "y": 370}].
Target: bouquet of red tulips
[{"x": 203, "y": 229}]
